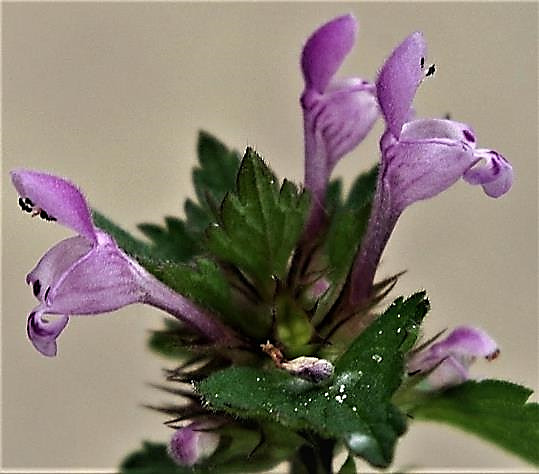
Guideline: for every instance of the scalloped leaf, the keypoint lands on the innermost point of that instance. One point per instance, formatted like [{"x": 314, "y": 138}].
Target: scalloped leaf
[
  {"x": 259, "y": 224},
  {"x": 354, "y": 406},
  {"x": 495, "y": 410}
]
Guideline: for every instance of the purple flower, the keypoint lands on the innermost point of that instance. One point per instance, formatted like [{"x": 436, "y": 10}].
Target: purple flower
[
  {"x": 193, "y": 443},
  {"x": 420, "y": 158},
  {"x": 450, "y": 358},
  {"x": 337, "y": 113},
  {"x": 89, "y": 273}
]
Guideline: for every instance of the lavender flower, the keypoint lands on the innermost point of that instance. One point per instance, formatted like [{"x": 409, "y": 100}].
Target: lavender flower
[
  {"x": 89, "y": 273},
  {"x": 337, "y": 113},
  {"x": 420, "y": 159},
  {"x": 193, "y": 443},
  {"x": 450, "y": 358}
]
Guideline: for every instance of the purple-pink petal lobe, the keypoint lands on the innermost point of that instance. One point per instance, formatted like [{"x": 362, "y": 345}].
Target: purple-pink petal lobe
[
  {"x": 54, "y": 198},
  {"x": 193, "y": 443},
  {"x": 43, "y": 333},
  {"x": 100, "y": 281},
  {"x": 348, "y": 117},
  {"x": 325, "y": 51},
  {"x": 55, "y": 263},
  {"x": 399, "y": 79},
  {"x": 437, "y": 129},
  {"x": 422, "y": 169},
  {"x": 450, "y": 358},
  {"x": 495, "y": 175}
]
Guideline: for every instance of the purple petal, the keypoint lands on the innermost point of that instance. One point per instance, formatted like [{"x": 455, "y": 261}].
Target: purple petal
[
  {"x": 399, "y": 79},
  {"x": 102, "y": 280},
  {"x": 449, "y": 373},
  {"x": 426, "y": 129},
  {"x": 191, "y": 444},
  {"x": 325, "y": 51},
  {"x": 420, "y": 170},
  {"x": 465, "y": 341},
  {"x": 59, "y": 198},
  {"x": 43, "y": 333},
  {"x": 318, "y": 288},
  {"x": 55, "y": 263},
  {"x": 346, "y": 119},
  {"x": 495, "y": 175},
  {"x": 451, "y": 357},
  {"x": 334, "y": 124}
]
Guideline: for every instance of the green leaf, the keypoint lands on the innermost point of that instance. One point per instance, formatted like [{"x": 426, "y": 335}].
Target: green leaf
[
  {"x": 344, "y": 236},
  {"x": 492, "y": 409},
  {"x": 216, "y": 174},
  {"x": 252, "y": 449},
  {"x": 169, "y": 342},
  {"x": 354, "y": 406},
  {"x": 362, "y": 191},
  {"x": 174, "y": 241},
  {"x": 259, "y": 225},
  {"x": 294, "y": 329},
  {"x": 349, "y": 466},
  {"x": 152, "y": 458}
]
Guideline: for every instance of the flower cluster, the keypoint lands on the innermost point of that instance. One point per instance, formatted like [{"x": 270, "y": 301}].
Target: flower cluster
[{"x": 90, "y": 273}]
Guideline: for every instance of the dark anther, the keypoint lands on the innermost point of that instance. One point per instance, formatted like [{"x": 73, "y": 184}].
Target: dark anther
[
  {"x": 422, "y": 62},
  {"x": 431, "y": 70},
  {"x": 447, "y": 116},
  {"x": 24, "y": 206},
  {"x": 29, "y": 202},
  {"x": 52, "y": 219},
  {"x": 468, "y": 135},
  {"x": 43, "y": 214},
  {"x": 36, "y": 287},
  {"x": 46, "y": 293}
]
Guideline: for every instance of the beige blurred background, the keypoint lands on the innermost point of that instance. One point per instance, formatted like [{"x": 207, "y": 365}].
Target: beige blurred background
[{"x": 112, "y": 95}]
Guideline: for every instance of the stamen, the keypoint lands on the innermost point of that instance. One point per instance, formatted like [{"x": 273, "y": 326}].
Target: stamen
[
  {"x": 431, "y": 70},
  {"x": 23, "y": 206},
  {"x": 422, "y": 63},
  {"x": 36, "y": 288},
  {"x": 46, "y": 293},
  {"x": 29, "y": 202},
  {"x": 494, "y": 355},
  {"x": 37, "y": 211}
]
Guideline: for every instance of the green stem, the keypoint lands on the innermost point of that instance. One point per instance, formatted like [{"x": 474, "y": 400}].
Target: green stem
[{"x": 314, "y": 458}]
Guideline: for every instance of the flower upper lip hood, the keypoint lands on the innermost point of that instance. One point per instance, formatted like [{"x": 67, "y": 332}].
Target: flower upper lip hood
[
  {"x": 89, "y": 274},
  {"x": 326, "y": 49},
  {"x": 398, "y": 81},
  {"x": 337, "y": 113}
]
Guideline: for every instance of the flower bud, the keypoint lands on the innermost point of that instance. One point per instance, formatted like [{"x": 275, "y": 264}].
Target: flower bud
[
  {"x": 309, "y": 368},
  {"x": 193, "y": 443}
]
